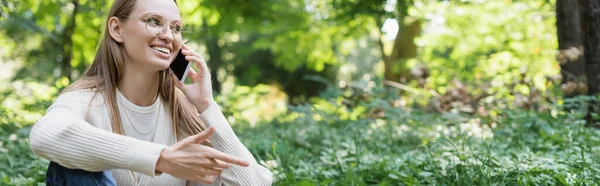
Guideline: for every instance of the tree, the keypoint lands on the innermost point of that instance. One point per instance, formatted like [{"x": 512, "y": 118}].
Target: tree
[
  {"x": 404, "y": 47},
  {"x": 570, "y": 45},
  {"x": 269, "y": 42},
  {"x": 591, "y": 29},
  {"x": 68, "y": 42},
  {"x": 56, "y": 38}
]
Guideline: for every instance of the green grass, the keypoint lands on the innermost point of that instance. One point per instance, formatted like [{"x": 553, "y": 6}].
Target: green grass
[
  {"x": 431, "y": 149},
  {"x": 414, "y": 147},
  {"x": 343, "y": 139}
]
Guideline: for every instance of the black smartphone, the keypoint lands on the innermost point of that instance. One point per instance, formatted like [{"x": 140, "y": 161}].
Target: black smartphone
[{"x": 180, "y": 66}]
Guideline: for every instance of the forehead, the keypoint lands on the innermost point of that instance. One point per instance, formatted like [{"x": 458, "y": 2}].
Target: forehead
[{"x": 166, "y": 8}]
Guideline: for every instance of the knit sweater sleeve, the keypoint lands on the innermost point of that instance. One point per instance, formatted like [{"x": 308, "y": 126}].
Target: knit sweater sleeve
[
  {"x": 62, "y": 135},
  {"x": 225, "y": 140}
]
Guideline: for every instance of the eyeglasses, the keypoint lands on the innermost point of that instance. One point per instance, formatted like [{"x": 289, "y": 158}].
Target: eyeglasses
[{"x": 157, "y": 25}]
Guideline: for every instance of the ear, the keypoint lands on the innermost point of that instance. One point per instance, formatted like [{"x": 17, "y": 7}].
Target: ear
[{"x": 115, "y": 29}]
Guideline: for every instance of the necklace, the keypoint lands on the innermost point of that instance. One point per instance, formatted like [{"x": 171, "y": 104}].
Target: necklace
[
  {"x": 135, "y": 179},
  {"x": 133, "y": 126}
]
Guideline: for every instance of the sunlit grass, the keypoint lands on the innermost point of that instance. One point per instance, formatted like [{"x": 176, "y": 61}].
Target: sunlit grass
[
  {"x": 517, "y": 147},
  {"x": 357, "y": 141}
]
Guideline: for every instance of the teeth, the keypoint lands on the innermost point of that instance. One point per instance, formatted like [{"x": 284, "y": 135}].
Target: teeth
[{"x": 163, "y": 50}]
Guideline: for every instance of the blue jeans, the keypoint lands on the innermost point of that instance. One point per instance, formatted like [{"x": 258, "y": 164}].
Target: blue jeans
[{"x": 58, "y": 175}]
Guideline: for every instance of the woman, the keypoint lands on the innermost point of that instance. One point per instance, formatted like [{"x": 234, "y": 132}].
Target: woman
[{"x": 125, "y": 123}]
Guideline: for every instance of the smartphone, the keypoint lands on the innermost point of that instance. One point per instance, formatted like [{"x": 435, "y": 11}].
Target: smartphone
[{"x": 180, "y": 66}]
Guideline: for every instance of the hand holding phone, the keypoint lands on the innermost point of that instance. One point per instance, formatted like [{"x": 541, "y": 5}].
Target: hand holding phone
[{"x": 199, "y": 92}]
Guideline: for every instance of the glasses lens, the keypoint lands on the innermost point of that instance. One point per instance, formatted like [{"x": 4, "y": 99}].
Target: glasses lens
[
  {"x": 155, "y": 25},
  {"x": 176, "y": 30},
  {"x": 185, "y": 32}
]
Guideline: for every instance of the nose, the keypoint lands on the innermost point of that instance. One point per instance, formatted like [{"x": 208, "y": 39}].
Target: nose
[{"x": 167, "y": 35}]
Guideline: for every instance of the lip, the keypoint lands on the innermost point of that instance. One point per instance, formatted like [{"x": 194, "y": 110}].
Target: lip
[
  {"x": 160, "y": 54},
  {"x": 163, "y": 46}
]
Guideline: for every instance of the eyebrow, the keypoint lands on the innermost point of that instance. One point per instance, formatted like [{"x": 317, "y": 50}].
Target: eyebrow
[{"x": 172, "y": 21}]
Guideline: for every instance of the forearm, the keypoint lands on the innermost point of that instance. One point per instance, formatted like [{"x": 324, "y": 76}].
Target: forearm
[{"x": 63, "y": 137}]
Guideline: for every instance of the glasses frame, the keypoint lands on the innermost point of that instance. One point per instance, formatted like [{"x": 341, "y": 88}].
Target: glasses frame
[{"x": 167, "y": 26}]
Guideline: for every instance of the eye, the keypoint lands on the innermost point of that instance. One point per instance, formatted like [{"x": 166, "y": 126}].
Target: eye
[
  {"x": 176, "y": 28},
  {"x": 154, "y": 21}
]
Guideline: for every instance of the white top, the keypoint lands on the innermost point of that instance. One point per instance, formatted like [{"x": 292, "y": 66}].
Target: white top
[
  {"x": 73, "y": 137},
  {"x": 140, "y": 122}
]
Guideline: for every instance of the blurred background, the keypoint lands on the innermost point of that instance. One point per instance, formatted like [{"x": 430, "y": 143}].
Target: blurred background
[{"x": 352, "y": 92}]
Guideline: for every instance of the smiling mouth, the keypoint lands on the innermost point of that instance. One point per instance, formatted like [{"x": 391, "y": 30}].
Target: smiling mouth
[{"x": 161, "y": 49}]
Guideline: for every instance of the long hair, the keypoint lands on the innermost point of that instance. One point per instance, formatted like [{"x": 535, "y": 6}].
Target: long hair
[{"x": 106, "y": 72}]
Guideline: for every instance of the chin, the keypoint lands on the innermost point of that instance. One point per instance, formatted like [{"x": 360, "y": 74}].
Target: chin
[
  {"x": 163, "y": 65},
  {"x": 159, "y": 64}
]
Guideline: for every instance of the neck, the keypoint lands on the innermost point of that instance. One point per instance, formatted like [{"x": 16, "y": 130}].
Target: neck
[{"x": 139, "y": 87}]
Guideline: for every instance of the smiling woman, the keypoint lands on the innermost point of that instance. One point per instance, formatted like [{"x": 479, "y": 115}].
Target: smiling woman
[{"x": 128, "y": 121}]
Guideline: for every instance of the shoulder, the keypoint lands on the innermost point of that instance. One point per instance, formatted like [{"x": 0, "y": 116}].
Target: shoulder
[
  {"x": 78, "y": 102},
  {"x": 90, "y": 97}
]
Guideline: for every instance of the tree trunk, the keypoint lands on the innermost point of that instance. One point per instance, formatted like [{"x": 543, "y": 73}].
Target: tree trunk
[
  {"x": 68, "y": 43},
  {"x": 404, "y": 48},
  {"x": 570, "y": 45},
  {"x": 590, "y": 16},
  {"x": 214, "y": 51}
]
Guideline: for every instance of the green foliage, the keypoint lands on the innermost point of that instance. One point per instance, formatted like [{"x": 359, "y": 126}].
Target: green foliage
[
  {"x": 316, "y": 145},
  {"x": 246, "y": 106},
  {"x": 499, "y": 54},
  {"x": 22, "y": 104},
  {"x": 490, "y": 45},
  {"x": 35, "y": 31},
  {"x": 18, "y": 165},
  {"x": 360, "y": 135}
]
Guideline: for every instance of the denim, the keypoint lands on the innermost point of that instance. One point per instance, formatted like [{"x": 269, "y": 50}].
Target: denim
[{"x": 58, "y": 175}]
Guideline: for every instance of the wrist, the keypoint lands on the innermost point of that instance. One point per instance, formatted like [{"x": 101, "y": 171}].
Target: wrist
[
  {"x": 161, "y": 163},
  {"x": 201, "y": 106}
]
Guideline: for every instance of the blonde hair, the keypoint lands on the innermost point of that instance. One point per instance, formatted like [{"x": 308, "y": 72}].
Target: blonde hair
[{"x": 105, "y": 73}]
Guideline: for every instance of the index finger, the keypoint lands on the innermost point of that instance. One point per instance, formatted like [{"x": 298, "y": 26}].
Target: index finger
[
  {"x": 227, "y": 158},
  {"x": 184, "y": 46},
  {"x": 177, "y": 83}
]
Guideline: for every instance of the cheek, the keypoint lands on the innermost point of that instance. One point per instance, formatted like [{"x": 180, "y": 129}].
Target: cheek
[
  {"x": 176, "y": 49},
  {"x": 136, "y": 46}
]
